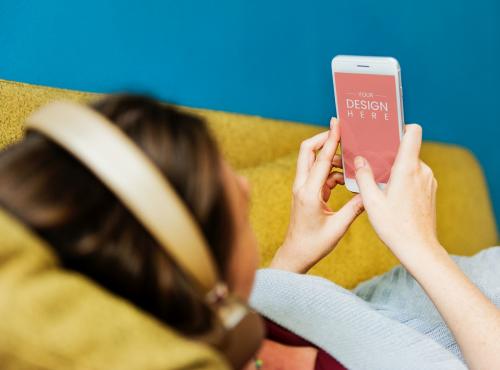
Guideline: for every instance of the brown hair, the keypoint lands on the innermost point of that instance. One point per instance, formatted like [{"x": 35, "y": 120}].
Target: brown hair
[{"x": 93, "y": 233}]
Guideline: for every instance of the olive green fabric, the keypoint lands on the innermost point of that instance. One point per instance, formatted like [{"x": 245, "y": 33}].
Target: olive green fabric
[
  {"x": 50, "y": 318},
  {"x": 245, "y": 140}
]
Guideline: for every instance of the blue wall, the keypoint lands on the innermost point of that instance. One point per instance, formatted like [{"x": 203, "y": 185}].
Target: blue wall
[{"x": 270, "y": 57}]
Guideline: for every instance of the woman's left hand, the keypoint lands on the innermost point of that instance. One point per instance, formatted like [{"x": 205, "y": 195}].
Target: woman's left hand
[
  {"x": 277, "y": 356},
  {"x": 315, "y": 229}
]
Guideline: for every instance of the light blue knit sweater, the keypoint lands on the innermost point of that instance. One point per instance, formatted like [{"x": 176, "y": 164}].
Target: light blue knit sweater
[{"x": 385, "y": 323}]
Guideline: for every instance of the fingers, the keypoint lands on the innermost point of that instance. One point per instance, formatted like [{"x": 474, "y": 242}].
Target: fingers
[
  {"x": 331, "y": 144},
  {"x": 366, "y": 182},
  {"x": 307, "y": 155},
  {"x": 333, "y": 179},
  {"x": 348, "y": 213},
  {"x": 337, "y": 161},
  {"x": 409, "y": 149},
  {"x": 434, "y": 190},
  {"x": 322, "y": 166}
]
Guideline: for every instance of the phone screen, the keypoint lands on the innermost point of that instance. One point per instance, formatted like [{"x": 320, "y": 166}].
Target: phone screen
[{"x": 369, "y": 124}]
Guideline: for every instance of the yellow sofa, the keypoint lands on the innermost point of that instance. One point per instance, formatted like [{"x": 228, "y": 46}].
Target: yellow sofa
[{"x": 96, "y": 330}]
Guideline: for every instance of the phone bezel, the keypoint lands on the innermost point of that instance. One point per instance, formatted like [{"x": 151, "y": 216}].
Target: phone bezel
[{"x": 369, "y": 65}]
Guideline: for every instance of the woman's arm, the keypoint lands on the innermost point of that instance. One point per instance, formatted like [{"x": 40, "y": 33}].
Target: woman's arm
[
  {"x": 404, "y": 216},
  {"x": 471, "y": 317}
]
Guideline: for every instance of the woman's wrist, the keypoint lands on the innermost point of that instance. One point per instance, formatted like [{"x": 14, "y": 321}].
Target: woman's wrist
[
  {"x": 416, "y": 256},
  {"x": 431, "y": 266},
  {"x": 286, "y": 260}
]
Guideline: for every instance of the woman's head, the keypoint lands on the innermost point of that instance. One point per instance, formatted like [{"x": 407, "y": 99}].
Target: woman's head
[{"x": 94, "y": 233}]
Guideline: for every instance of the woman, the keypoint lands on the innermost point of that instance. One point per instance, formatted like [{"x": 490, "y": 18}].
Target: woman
[{"x": 44, "y": 187}]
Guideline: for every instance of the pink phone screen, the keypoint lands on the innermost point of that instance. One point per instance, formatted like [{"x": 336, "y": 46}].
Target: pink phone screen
[{"x": 368, "y": 116}]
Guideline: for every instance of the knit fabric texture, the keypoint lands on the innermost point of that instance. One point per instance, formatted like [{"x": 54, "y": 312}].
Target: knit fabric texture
[{"x": 385, "y": 323}]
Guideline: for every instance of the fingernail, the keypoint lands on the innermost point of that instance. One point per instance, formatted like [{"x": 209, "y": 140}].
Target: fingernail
[
  {"x": 359, "y": 162},
  {"x": 333, "y": 121}
]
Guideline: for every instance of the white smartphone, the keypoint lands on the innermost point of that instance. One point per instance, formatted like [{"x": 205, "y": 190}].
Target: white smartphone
[{"x": 369, "y": 102}]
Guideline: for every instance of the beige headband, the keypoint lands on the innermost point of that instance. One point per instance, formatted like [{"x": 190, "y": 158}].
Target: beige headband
[{"x": 133, "y": 178}]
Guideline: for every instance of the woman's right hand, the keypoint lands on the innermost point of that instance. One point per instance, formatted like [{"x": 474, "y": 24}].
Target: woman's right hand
[{"x": 404, "y": 213}]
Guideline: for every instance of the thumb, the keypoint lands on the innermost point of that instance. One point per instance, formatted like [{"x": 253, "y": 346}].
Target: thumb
[
  {"x": 348, "y": 213},
  {"x": 366, "y": 182}
]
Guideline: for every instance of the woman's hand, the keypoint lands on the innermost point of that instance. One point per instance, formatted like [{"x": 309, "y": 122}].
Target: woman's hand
[
  {"x": 277, "y": 356},
  {"x": 314, "y": 228},
  {"x": 404, "y": 213},
  {"x": 404, "y": 216}
]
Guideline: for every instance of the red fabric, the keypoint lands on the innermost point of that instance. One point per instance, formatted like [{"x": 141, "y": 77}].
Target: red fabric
[{"x": 281, "y": 335}]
